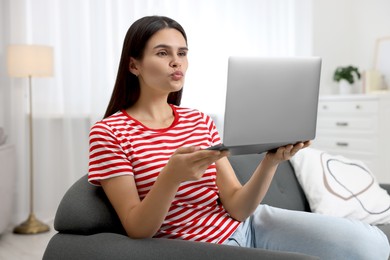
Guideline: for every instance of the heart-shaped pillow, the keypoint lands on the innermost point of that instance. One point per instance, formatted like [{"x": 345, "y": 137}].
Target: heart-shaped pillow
[
  {"x": 338, "y": 174},
  {"x": 338, "y": 186}
]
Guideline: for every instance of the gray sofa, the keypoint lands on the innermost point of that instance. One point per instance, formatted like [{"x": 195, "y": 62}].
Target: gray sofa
[{"x": 88, "y": 227}]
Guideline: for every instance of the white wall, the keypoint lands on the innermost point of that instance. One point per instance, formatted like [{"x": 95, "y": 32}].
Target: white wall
[
  {"x": 2, "y": 65},
  {"x": 344, "y": 33},
  {"x": 372, "y": 18}
]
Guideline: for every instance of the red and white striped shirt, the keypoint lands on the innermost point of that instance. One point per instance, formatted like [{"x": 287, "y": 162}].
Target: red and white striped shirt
[{"x": 121, "y": 145}]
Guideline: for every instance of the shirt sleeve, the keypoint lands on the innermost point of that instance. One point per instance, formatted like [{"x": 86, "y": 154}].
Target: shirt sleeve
[
  {"x": 107, "y": 158},
  {"x": 214, "y": 135}
]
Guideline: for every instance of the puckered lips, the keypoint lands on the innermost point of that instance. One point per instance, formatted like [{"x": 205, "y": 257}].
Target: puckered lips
[{"x": 177, "y": 75}]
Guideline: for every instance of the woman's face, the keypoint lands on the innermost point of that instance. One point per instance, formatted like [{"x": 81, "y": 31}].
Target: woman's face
[{"x": 164, "y": 64}]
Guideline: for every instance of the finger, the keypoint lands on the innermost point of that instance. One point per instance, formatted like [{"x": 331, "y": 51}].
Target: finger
[
  {"x": 205, "y": 162},
  {"x": 280, "y": 151},
  {"x": 296, "y": 148},
  {"x": 225, "y": 153},
  {"x": 307, "y": 143},
  {"x": 289, "y": 147},
  {"x": 300, "y": 146},
  {"x": 204, "y": 154},
  {"x": 287, "y": 151},
  {"x": 188, "y": 149},
  {"x": 208, "y": 160}
]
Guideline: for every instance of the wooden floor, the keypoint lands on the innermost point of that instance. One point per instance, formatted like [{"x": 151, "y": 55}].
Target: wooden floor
[{"x": 24, "y": 247}]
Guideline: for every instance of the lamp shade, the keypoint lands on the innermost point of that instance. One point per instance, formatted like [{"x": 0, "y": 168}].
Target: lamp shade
[{"x": 30, "y": 60}]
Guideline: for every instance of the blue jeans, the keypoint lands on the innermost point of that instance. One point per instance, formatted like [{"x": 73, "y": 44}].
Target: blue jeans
[{"x": 313, "y": 234}]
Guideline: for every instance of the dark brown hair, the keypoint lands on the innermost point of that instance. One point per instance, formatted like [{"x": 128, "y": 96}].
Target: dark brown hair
[{"x": 126, "y": 91}]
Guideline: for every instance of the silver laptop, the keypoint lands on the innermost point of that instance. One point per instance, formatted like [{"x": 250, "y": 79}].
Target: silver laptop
[{"x": 270, "y": 102}]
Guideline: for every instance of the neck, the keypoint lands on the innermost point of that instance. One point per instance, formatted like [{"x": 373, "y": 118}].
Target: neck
[{"x": 153, "y": 111}]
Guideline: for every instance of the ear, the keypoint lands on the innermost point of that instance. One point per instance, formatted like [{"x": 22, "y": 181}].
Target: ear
[{"x": 133, "y": 66}]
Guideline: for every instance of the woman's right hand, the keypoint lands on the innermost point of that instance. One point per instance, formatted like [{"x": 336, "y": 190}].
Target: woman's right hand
[{"x": 190, "y": 163}]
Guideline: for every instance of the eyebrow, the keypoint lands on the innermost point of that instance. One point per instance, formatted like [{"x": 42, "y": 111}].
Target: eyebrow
[{"x": 169, "y": 47}]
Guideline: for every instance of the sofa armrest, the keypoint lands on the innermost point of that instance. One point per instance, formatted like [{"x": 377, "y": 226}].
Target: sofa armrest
[
  {"x": 85, "y": 210},
  {"x": 385, "y": 186},
  {"x": 116, "y": 246}
]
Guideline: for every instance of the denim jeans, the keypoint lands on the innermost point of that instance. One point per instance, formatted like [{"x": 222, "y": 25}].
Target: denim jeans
[{"x": 309, "y": 233}]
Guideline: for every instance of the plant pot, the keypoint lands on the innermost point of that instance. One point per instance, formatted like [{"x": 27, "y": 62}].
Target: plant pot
[{"x": 345, "y": 87}]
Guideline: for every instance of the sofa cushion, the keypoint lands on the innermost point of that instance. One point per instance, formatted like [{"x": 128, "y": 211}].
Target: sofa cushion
[
  {"x": 342, "y": 187},
  {"x": 118, "y": 247},
  {"x": 284, "y": 192}
]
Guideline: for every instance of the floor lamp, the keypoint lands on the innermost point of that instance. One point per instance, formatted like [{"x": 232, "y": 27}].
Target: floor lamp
[{"x": 30, "y": 61}]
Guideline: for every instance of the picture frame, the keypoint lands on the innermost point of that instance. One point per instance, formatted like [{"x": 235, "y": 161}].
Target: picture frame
[{"x": 382, "y": 61}]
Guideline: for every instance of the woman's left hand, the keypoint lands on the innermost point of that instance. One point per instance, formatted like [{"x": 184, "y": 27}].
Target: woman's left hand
[{"x": 284, "y": 153}]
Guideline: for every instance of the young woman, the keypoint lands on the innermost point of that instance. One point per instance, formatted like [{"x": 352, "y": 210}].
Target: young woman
[{"x": 149, "y": 156}]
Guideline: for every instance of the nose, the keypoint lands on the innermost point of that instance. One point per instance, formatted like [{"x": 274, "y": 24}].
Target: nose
[{"x": 175, "y": 62}]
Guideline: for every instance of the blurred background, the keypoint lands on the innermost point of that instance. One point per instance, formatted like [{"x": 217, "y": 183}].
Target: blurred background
[{"x": 87, "y": 37}]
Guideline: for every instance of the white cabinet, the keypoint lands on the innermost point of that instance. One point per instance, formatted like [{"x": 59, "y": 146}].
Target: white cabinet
[
  {"x": 7, "y": 184},
  {"x": 358, "y": 127}
]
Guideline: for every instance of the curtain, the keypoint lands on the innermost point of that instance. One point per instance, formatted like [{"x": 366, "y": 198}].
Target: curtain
[{"x": 87, "y": 36}]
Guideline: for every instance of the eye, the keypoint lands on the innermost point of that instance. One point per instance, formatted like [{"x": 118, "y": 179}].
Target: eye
[
  {"x": 182, "y": 53},
  {"x": 162, "y": 53}
]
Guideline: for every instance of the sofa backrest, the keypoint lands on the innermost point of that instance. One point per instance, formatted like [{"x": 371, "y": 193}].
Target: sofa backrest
[
  {"x": 86, "y": 210},
  {"x": 285, "y": 191}
]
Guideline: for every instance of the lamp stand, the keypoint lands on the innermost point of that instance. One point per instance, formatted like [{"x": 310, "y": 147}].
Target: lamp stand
[{"x": 32, "y": 225}]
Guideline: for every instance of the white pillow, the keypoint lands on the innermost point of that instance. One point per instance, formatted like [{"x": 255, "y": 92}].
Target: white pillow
[{"x": 337, "y": 186}]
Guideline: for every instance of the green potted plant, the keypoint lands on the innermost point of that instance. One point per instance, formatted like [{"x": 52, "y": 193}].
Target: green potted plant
[{"x": 346, "y": 76}]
